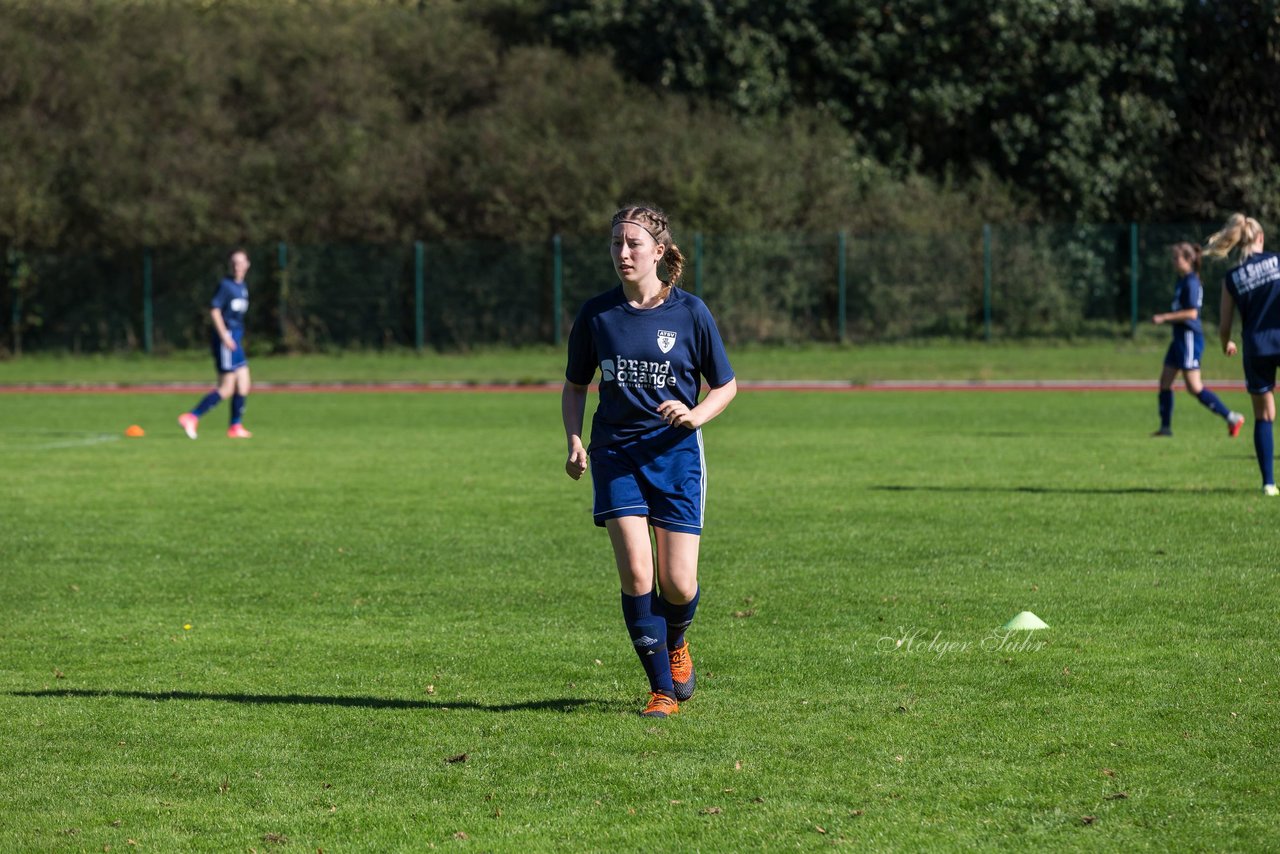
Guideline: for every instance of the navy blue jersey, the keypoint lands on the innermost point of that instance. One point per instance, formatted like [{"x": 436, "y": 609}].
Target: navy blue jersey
[
  {"x": 1188, "y": 293},
  {"x": 232, "y": 299},
  {"x": 1255, "y": 285},
  {"x": 645, "y": 357}
]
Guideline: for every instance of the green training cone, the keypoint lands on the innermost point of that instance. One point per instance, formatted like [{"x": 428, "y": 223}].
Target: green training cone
[{"x": 1025, "y": 622}]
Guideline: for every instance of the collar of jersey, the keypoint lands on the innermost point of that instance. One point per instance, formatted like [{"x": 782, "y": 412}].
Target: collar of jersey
[{"x": 631, "y": 309}]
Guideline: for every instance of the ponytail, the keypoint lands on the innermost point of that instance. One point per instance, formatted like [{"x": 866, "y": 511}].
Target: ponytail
[
  {"x": 674, "y": 259},
  {"x": 1237, "y": 236}
]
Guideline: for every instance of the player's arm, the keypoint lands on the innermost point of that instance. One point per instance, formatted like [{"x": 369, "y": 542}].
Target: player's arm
[
  {"x": 221, "y": 326},
  {"x": 1176, "y": 316},
  {"x": 1226, "y": 315},
  {"x": 678, "y": 415},
  {"x": 573, "y": 406}
]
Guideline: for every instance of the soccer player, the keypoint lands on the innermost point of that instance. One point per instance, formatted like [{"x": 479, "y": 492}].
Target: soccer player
[
  {"x": 1188, "y": 343},
  {"x": 1253, "y": 287},
  {"x": 229, "y": 306},
  {"x": 653, "y": 344}
]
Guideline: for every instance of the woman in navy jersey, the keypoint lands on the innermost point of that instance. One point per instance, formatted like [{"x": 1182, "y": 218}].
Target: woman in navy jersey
[
  {"x": 1253, "y": 288},
  {"x": 652, "y": 344},
  {"x": 1188, "y": 343},
  {"x": 227, "y": 311}
]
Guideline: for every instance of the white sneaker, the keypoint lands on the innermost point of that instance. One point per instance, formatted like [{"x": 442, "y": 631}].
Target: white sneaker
[
  {"x": 1270, "y": 489},
  {"x": 1234, "y": 422}
]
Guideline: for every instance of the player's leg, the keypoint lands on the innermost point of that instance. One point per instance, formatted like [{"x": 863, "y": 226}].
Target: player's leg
[
  {"x": 678, "y": 601},
  {"x": 1191, "y": 376},
  {"x": 633, "y": 554},
  {"x": 190, "y": 421},
  {"x": 1260, "y": 378},
  {"x": 621, "y": 509},
  {"x": 1165, "y": 398},
  {"x": 1264, "y": 416},
  {"x": 239, "y": 393},
  {"x": 677, "y": 483}
]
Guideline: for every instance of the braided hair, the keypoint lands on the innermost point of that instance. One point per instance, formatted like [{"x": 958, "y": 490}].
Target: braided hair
[{"x": 654, "y": 221}]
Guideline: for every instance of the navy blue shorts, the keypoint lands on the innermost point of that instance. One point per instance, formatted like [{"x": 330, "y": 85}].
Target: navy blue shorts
[
  {"x": 1185, "y": 351},
  {"x": 225, "y": 361},
  {"x": 664, "y": 478},
  {"x": 1260, "y": 373}
]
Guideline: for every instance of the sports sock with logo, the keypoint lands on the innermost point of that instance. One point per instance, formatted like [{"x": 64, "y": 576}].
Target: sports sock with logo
[
  {"x": 1264, "y": 447},
  {"x": 237, "y": 408},
  {"x": 1211, "y": 400},
  {"x": 1166, "y": 408},
  {"x": 649, "y": 637},
  {"x": 678, "y": 617},
  {"x": 209, "y": 401}
]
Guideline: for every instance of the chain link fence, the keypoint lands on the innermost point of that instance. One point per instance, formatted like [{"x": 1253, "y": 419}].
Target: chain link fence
[{"x": 999, "y": 282}]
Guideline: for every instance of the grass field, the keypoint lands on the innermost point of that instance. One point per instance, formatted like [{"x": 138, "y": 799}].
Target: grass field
[
  {"x": 1138, "y": 358},
  {"x": 387, "y": 623}
]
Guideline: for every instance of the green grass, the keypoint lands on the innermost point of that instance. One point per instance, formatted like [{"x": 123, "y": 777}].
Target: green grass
[
  {"x": 1138, "y": 358},
  {"x": 376, "y": 583}
]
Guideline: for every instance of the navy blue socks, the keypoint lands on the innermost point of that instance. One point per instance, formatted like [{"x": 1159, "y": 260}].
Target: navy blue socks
[
  {"x": 237, "y": 408},
  {"x": 1211, "y": 400},
  {"x": 678, "y": 617},
  {"x": 209, "y": 401},
  {"x": 649, "y": 637},
  {"x": 1264, "y": 447}
]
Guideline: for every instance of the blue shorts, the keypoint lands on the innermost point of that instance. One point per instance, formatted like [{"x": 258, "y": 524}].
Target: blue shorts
[
  {"x": 225, "y": 361},
  {"x": 1260, "y": 373},
  {"x": 664, "y": 478},
  {"x": 1185, "y": 351}
]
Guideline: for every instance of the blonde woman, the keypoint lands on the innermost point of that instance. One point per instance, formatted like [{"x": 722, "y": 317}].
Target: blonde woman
[
  {"x": 653, "y": 345},
  {"x": 1252, "y": 286}
]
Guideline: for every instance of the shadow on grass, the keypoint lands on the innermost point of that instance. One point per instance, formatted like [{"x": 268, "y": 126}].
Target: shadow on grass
[
  {"x": 1065, "y": 490},
  {"x": 563, "y": 704}
]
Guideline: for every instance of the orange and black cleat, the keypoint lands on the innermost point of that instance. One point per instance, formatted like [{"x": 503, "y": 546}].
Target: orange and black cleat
[
  {"x": 682, "y": 671},
  {"x": 660, "y": 705}
]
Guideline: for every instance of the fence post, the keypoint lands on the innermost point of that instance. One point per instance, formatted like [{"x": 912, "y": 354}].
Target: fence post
[
  {"x": 1133, "y": 278},
  {"x": 986, "y": 281},
  {"x": 419, "y": 304},
  {"x": 148, "y": 316},
  {"x": 841, "y": 286},
  {"x": 282, "y": 261},
  {"x": 15, "y": 284},
  {"x": 557, "y": 287},
  {"x": 697, "y": 265}
]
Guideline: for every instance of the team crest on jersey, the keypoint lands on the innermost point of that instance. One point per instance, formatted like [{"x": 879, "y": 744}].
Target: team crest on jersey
[{"x": 666, "y": 340}]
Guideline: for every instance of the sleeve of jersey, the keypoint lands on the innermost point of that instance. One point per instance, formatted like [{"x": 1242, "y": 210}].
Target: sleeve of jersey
[
  {"x": 221, "y": 297},
  {"x": 713, "y": 360},
  {"x": 1195, "y": 292},
  {"x": 582, "y": 362}
]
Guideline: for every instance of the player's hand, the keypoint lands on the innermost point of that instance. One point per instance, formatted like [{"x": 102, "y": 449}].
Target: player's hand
[
  {"x": 677, "y": 414},
  {"x": 576, "y": 465},
  {"x": 1230, "y": 349},
  {"x": 229, "y": 342},
  {"x": 1157, "y": 319}
]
